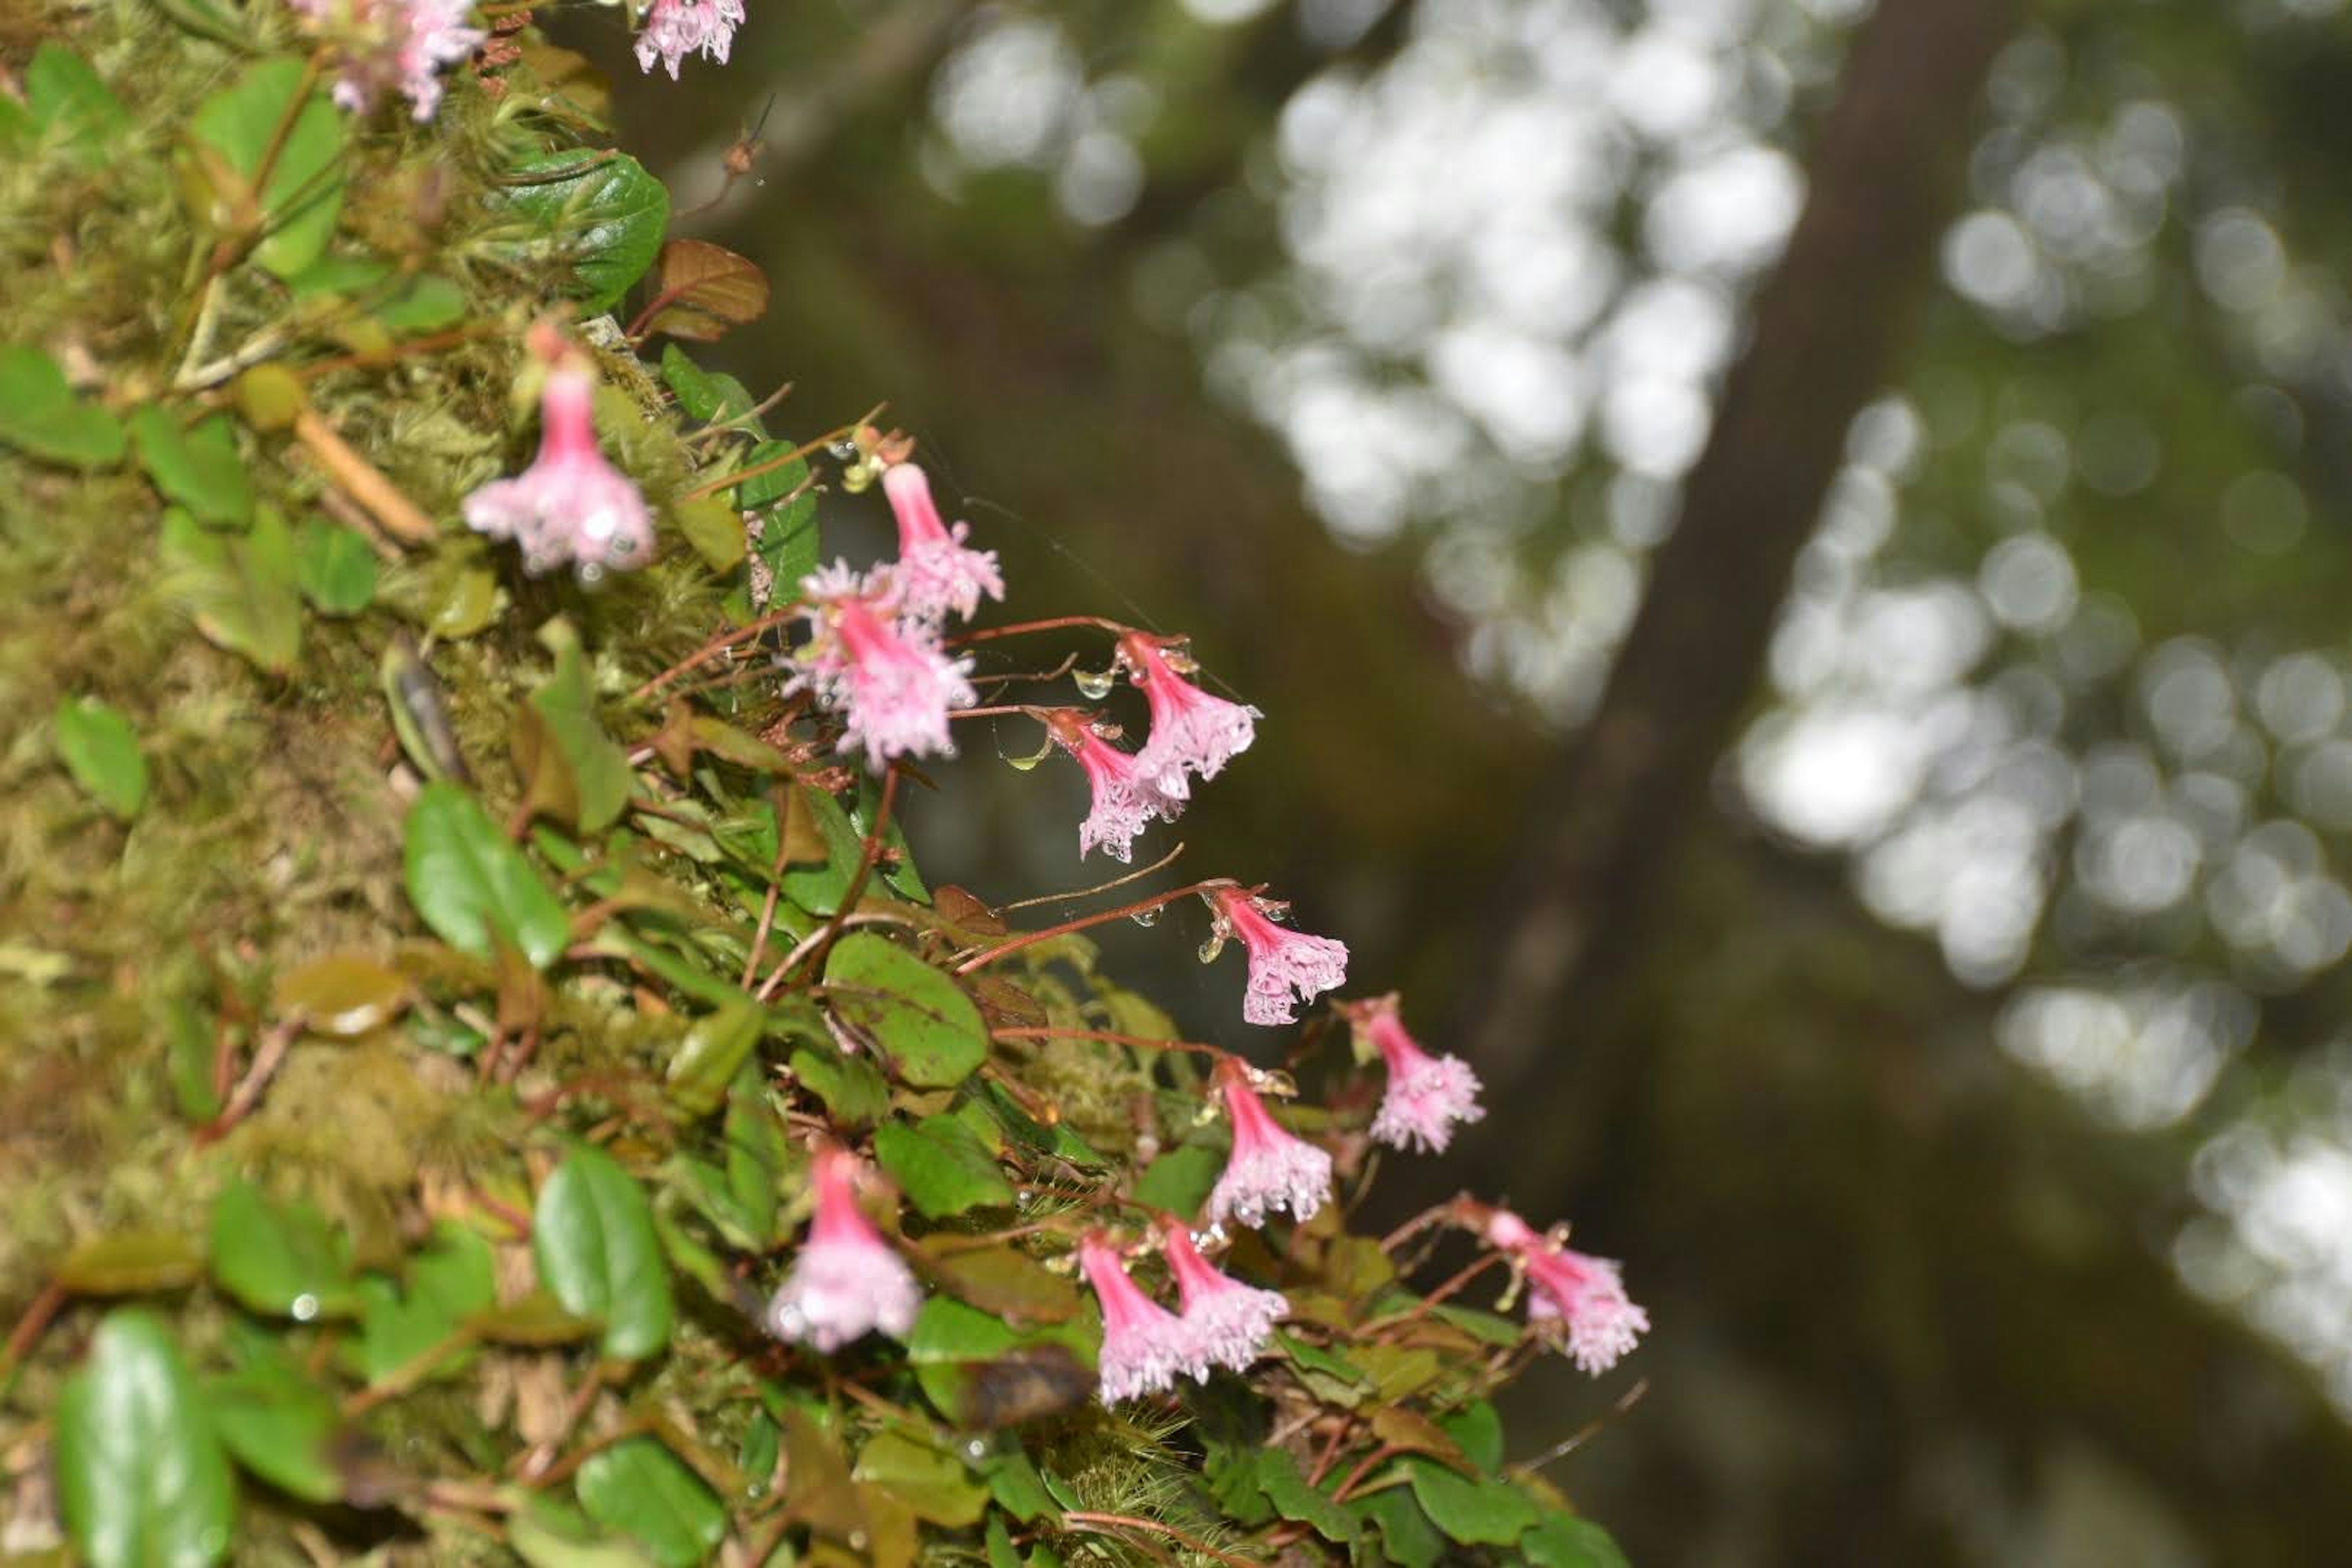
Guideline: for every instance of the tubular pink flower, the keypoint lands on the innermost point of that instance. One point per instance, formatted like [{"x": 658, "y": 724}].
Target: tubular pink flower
[
  {"x": 846, "y": 1279},
  {"x": 395, "y": 45},
  {"x": 1230, "y": 1322},
  {"x": 569, "y": 504},
  {"x": 1190, "y": 730},
  {"x": 1145, "y": 1346},
  {"x": 1427, "y": 1096},
  {"x": 886, "y": 674},
  {"x": 935, "y": 572},
  {"x": 676, "y": 29},
  {"x": 1281, "y": 962},
  {"x": 1125, "y": 797},
  {"x": 1584, "y": 1296},
  {"x": 1269, "y": 1169}
]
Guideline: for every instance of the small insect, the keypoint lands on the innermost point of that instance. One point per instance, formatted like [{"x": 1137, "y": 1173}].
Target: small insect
[{"x": 741, "y": 157}]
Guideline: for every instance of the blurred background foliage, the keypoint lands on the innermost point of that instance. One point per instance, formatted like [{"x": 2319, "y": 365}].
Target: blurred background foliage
[{"x": 1852, "y": 733}]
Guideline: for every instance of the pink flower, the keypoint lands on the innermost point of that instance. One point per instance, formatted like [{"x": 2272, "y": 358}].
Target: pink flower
[
  {"x": 1281, "y": 962},
  {"x": 1586, "y": 1296},
  {"x": 1427, "y": 1096},
  {"x": 935, "y": 573},
  {"x": 1145, "y": 1346},
  {"x": 1230, "y": 1322},
  {"x": 569, "y": 504},
  {"x": 846, "y": 1279},
  {"x": 676, "y": 29},
  {"x": 400, "y": 45},
  {"x": 1125, "y": 797},
  {"x": 1190, "y": 730},
  {"x": 887, "y": 674},
  {"x": 1268, "y": 1169}
]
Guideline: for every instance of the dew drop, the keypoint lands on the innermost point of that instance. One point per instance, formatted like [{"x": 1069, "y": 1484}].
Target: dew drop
[
  {"x": 1213, "y": 946},
  {"x": 842, "y": 451},
  {"x": 1150, "y": 917},
  {"x": 975, "y": 1450},
  {"x": 1025, "y": 764},
  {"x": 304, "y": 1308},
  {"x": 1091, "y": 685}
]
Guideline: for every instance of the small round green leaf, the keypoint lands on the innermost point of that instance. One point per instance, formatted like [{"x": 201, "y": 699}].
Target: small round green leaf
[
  {"x": 101, "y": 750},
  {"x": 471, "y": 886},
  {"x": 593, "y": 1237},
  {"x": 941, "y": 1166},
  {"x": 40, "y": 415},
  {"x": 335, "y": 567},
  {"x": 280, "y": 1425},
  {"x": 925, "y": 1024},
  {"x": 642, "y": 1490},
  {"x": 142, "y": 1479},
  {"x": 200, "y": 467},
  {"x": 279, "y": 1260},
  {"x": 258, "y": 121}
]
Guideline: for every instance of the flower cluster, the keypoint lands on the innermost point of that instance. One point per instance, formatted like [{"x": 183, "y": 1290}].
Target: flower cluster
[
  {"x": 1125, "y": 797},
  {"x": 1192, "y": 731},
  {"x": 394, "y": 45},
  {"x": 1572, "y": 1298},
  {"x": 569, "y": 505},
  {"x": 1269, "y": 1170},
  {"x": 675, "y": 28},
  {"x": 1147, "y": 1348},
  {"x": 885, "y": 671}
]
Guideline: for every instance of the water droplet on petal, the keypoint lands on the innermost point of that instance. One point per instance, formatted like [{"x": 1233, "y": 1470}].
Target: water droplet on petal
[
  {"x": 1213, "y": 946},
  {"x": 1091, "y": 685},
  {"x": 304, "y": 1308}
]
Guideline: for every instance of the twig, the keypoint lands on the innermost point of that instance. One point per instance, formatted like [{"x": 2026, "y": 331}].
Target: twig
[
  {"x": 267, "y": 1059},
  {"x": 400, "y": 517},
  {"x": 1118, "y": 881}
]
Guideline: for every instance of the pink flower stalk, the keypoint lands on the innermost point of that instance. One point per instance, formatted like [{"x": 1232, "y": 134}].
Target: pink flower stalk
[
  {"x": 886, "y": 673},
  {"x": 1282, "y": 964},
  {"x": 676, "y": 29},
  {"x": 396, "y": 44},
  {"x": 1190, "y": 730},
  {"x": 1427, "y": 1096},
  {"x": 569, "y": 504},
  {"x": 846, "y": 1279},
  {"x": 1126, "y": 798},
  {"x": 1230, "y": 1322},
  {"x": 1584, "y": 1295},
  {"x": 1145, "y": 1346},
  {"x": 1269, "y": 1169},
  {"x": 936, "y": 573}
]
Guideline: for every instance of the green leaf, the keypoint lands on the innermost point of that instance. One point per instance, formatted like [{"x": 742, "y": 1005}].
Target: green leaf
[
  {"x": 1015, "y": 1485},
  {"x": 303, "y": 192},
  {"x": 282, "y": 1260},
  {"x": 200, "y": 467},
  {"x": 67, "y": 96},
  {"x": 131, "y": 1263},
  {"x": 189, "y": 1063},
  {"x": 470, "y": 885},
  {"x": 934, "y": 1485},
  {"x": 39, "y": 414},
  {"x": 1485, "y": 1512},
  {"x": 242, "y": 590},
  {"x": 712, "y": 397},
  {"x": 714, "y": 530},
  {"x": 600, "y": 213},
  {"x": 1479, "y": 1432},
  {"x": 818, "y": 889},
  {"x": 1003, "y": 1280},
  {"x": 101, "y": 750},
  {"x": 1562, "y": 1541},
  {"x": 592, "y": 1235},
  {"x": 941, "y": 1166},
  {"x": 278, "y": 1424},
  {"x": 335, "y": 568},
  {"x": 1407, "y": 1537},
  {"x": 449, "y": 1282},
  {"x": 642, "y": 1490},
  {"x": 757, "y": 1154},
  {"x": 1180, "y": 1180},
  {"x": 922, "y": 1020},
  {"x": 715, "y": 1048},
  {"x": 1287, "y": 1489},
  {"x": 141, "y": 1478},
  {"x": 547, "y": 1535},
  {"x": 978, "y": 1372},
  {"x": 789, "y": 542},
  {"x": 342, "y": 994},
  {"x": 855, "y": 1094},
  {"x": 573, "y": 767},
  {"x": 999, "y": 1544},
  {"x": 429, "y": 303},
  {"x": 1058, "y": 1140}
]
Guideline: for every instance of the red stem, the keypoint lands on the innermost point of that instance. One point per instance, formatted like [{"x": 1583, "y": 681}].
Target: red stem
[{"x": 1142, "y": 906}]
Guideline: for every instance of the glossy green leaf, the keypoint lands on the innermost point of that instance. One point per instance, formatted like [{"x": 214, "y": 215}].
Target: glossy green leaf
[
  {"x": 713, "y": 396},
  {"x": 714, "y": 1050},
  {"x": 639, "y": 1488},
  {"x": 1180, "y": 1180},
  {"x": 242, "y": 590},
  {"x": 281, "y": 1260},
  {"x": 470, "y": 885},
  {"x": 449, "y": 1282},
  {"x": 39, "y": 414},
  {"x": 852, "y": 1092},
  {"x": 789, "y": 542},
  {"x": 1562, "y": 1541},
  {"x": 939, "y": 1164},
  {"x": 997, "y": 1541},
  {"x": 927, "y": 1027},
  {"x": 1014, "y": 1482},
  {"x": 278, "y": 1424},
  {"x": 335, "y": 568},
  {"x": 1278, "y": 1476},
  {"x": 1002, "y": 1280},
  {"x": 1407, "y": 1537},
  {"x": 573, "y": 768},
  {"x": 65, "y": 95},
  {"x": 200, "y": 467},
  {"x": 934, "y": 1485},
  {"x": 1484, "y": 1512},
  {"x": 101, "y": 750},
  {"x": 302, "y": 193},
  {"x": 1477, "y": 1429},
  {"x": 818, "y": 888},
  {"x": 548, "y": 1534},
  {"x": 592, "y": 1235},
  {"x": 142, "y": 1480},
  {"x": 597, "y": 213}
]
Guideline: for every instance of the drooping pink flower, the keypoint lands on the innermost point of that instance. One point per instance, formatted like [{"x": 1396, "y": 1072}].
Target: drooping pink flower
[
  {"x": 936, "y": 572},
  {"x": 1269, "y": 1169},
  {"x": 1427, "y": 1096},
  {"x": 1126, "y": 798},
  {"x": 569, "y": 504},
  {"x": 676, "y": 29},
  {"x": 846, "y": 1281},
  {"x": 1230, "y": 1322},
  {"x": 394, "y": 45},
  {"x": 1145, "y": 1347},
  {"x": 1283, "y": 964},
  {"x": 1571, "y": 1296},
  {"x": 886, "y": 674},
  {"x": 1190, "y": 730}
]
